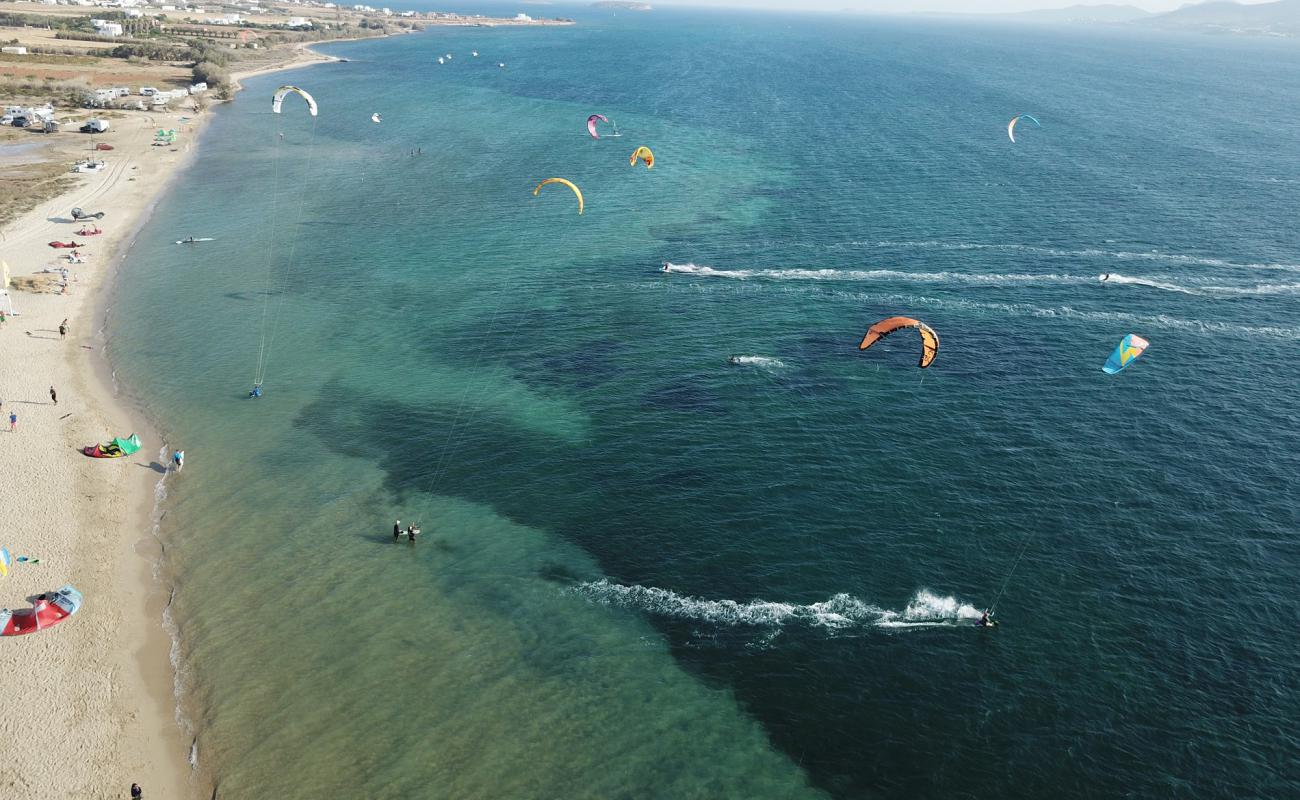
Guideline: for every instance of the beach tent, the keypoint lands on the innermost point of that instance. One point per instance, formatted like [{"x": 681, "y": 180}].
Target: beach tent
[{"x": 6, "y": 562}]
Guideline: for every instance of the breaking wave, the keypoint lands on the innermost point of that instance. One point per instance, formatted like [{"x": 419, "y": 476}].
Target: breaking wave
[
  {"x": 1123, "y": 280},
  {"x": 757, "y": 361},
  {"x": 840, "y": 612}
]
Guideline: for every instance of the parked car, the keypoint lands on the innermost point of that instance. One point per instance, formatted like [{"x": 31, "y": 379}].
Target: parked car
[{"x": 21, "y": 122}]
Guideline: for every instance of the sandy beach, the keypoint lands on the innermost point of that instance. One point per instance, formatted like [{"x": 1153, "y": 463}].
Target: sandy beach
[{"x": 94, "y": 695}]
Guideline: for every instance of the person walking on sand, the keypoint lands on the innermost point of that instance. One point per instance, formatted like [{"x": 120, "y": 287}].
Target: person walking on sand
[
  {"x": 63, "y": 329},
  {"x": 136, "y": 792},
  {"x": 13, "y": 422},
  {"x": 54, "y": 397}
]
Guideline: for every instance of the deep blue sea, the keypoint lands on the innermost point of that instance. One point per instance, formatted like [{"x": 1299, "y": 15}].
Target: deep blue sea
[{"x": 647, "y": 571}]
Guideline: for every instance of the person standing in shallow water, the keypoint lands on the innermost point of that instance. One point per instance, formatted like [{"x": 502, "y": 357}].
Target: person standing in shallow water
[{"x": 397, "y": 530}]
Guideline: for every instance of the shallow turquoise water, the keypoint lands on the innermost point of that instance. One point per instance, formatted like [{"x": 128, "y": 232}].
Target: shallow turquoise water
[{"x": 648, "y": 572}]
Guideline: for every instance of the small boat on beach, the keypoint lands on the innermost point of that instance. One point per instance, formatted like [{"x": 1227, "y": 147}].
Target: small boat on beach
[{"x": 47, "y": 610}]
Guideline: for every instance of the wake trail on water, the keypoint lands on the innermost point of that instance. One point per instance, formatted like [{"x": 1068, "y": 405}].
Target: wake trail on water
[
  {"x": 969, "y": 279},
  {"x": 871, "y": 274},
  {"x": 841, "y": 612}
]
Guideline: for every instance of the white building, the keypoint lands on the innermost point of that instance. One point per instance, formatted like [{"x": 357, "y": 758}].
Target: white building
[
  {"x": 298, "y": 22},
  {"x": 14, "y": 50},
  {"x": 521, "y": 17},
  {"x": 106, "y": 28}
]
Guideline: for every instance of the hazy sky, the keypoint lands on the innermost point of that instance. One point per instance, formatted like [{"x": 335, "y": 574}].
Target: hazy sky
[{"x": 959, "y": 6}]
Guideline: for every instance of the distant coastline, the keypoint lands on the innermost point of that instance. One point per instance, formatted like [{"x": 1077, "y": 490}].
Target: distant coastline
[
  {"x": 1280, "y": 18},
  {"x": 627, "y": 5}
]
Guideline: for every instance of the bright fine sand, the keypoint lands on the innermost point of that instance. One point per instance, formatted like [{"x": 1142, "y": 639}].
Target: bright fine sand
[{"x": 89, "y": 704}]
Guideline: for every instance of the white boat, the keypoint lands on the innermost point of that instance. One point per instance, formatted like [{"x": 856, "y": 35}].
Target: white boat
[
  {"x": 440, "y": 61},
  {"x": 474, "y": 53}
]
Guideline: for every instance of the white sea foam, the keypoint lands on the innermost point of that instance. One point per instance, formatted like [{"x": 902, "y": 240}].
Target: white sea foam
[
  {"x": 1090, "y": 252},
  {"x": 1261, "y": 289},
  {"x": 757, "y": 361},
  {"x": 839, "y": 612}
]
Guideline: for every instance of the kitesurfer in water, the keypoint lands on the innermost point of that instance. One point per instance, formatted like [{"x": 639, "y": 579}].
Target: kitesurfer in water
[
  {"x": 256, "y": 390},
  {"x": 1105, "y": 277},
  {"x": 985, "y": 621}
]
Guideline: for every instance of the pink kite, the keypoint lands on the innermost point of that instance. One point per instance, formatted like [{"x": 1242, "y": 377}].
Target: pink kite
[{"x": 591, "y": 124}]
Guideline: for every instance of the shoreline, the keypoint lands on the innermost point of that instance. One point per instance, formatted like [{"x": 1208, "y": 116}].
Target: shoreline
[{"x": 138, "y": 732}]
